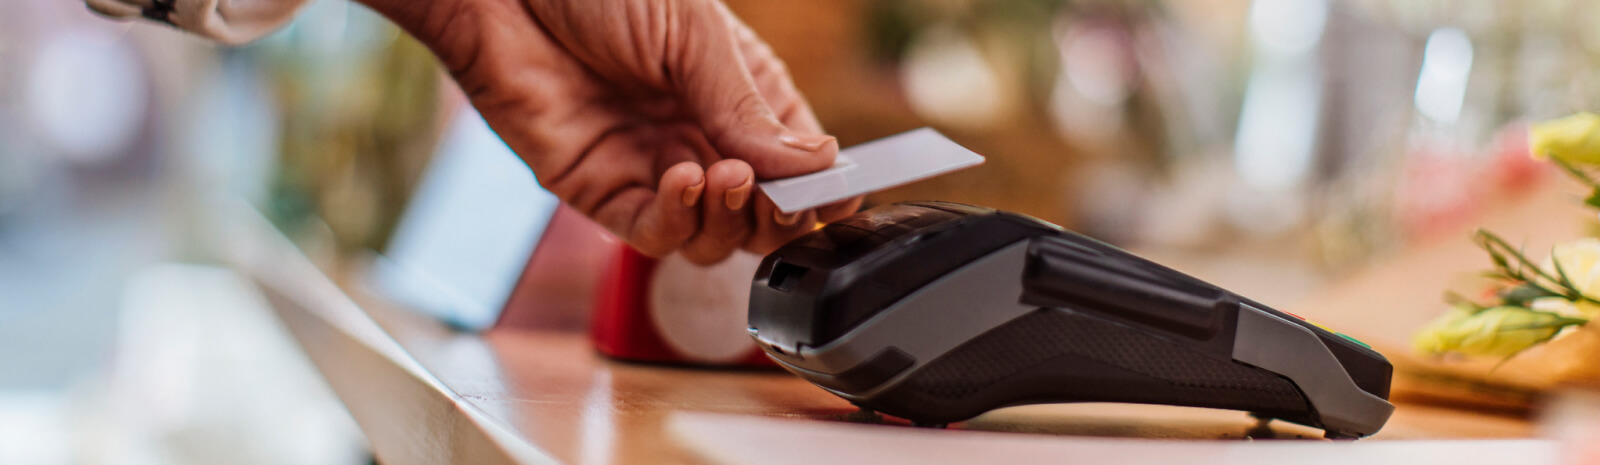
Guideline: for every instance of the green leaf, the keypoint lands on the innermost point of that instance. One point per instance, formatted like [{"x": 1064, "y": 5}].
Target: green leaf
[
  {"x": 1498, "y": 249},
  {"x": 1561, "y": 271},
  {"x": 1499, "y": 276},
  {"x": 1521, "y": 294},
  {"x": 1594, "y": 199},
  {"x": 1561, "y": 323}
]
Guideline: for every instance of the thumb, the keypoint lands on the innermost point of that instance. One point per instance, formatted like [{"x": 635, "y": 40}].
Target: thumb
[{"x": 717, "y": 86}]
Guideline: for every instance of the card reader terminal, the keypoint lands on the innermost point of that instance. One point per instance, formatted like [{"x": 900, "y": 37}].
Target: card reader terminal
[{"x": 937, "y": 312}]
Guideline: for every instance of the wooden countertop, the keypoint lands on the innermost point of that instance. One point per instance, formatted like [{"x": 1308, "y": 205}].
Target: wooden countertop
[
  {"x": 426, "y": 394},
  {"x": 554, "y": 392}
]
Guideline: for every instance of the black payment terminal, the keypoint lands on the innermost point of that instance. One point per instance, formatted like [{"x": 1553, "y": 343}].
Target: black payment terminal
[{"x": 937, "y": 312}]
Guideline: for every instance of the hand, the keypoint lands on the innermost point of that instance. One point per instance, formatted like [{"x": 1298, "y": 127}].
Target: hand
[
  {"x": 653, "y": 117},
  {"x": 227, "y": 21}
]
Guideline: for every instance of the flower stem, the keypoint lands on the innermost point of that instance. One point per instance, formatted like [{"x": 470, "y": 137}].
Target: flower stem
[{"x": 1498, "y": 249}]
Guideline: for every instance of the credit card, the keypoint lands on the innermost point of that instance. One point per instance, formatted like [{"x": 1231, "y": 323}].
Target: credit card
[{"x": 873, "y": 166}]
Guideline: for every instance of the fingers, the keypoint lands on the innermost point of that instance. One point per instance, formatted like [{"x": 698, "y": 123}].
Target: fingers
[
  {"x": 237, "y": 22},
  {"x": 114, "y": 9},
  {"x": 734, "y": 214},
  {"x": 232, "y": 22},
  {"x": 736, "y": 118},
  {"x": 774, "y": 228},
  {"x": 838, "y": 210},
  {"x": 725, "y": 212},
  {"x": 666, "y": 222}
]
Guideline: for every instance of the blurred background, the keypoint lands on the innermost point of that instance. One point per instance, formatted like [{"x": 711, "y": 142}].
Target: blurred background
[{"x": 1270, "y": 146}]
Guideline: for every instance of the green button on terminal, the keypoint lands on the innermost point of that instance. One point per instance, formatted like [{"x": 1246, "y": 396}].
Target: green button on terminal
[{"x": 1351, "y": 339}]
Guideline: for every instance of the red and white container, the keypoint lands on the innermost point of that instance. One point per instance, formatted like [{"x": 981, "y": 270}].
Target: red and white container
[{"x": 673, "y": 311}]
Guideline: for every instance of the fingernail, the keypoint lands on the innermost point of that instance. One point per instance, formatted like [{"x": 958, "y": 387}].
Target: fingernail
[
  {"x": 785, "y": 219},
  {"x": 691, "y": 195},
  {"x": 736, "y": 197},
  {"x": 806, "y": 142}
]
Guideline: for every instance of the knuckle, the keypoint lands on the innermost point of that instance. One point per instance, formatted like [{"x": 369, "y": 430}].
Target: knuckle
[{"x": 749, "y": 108}]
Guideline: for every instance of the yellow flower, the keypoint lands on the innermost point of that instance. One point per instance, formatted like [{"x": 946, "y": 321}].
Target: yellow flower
[
  {"x": 1493, "y": 332},
  {"x": 1439, "y": 337},
  {"x": 1574, "y": 139}
]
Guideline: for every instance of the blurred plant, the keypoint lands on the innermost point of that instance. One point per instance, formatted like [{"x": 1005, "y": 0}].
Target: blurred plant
[
  {"x": 1528, "y": 304},
  {"x": 1493, "y": 331},
  {"x": 1531, "y": 304}
]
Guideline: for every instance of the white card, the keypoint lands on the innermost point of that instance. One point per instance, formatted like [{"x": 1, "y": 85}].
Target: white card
[{"x": 873, "y": 166}]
